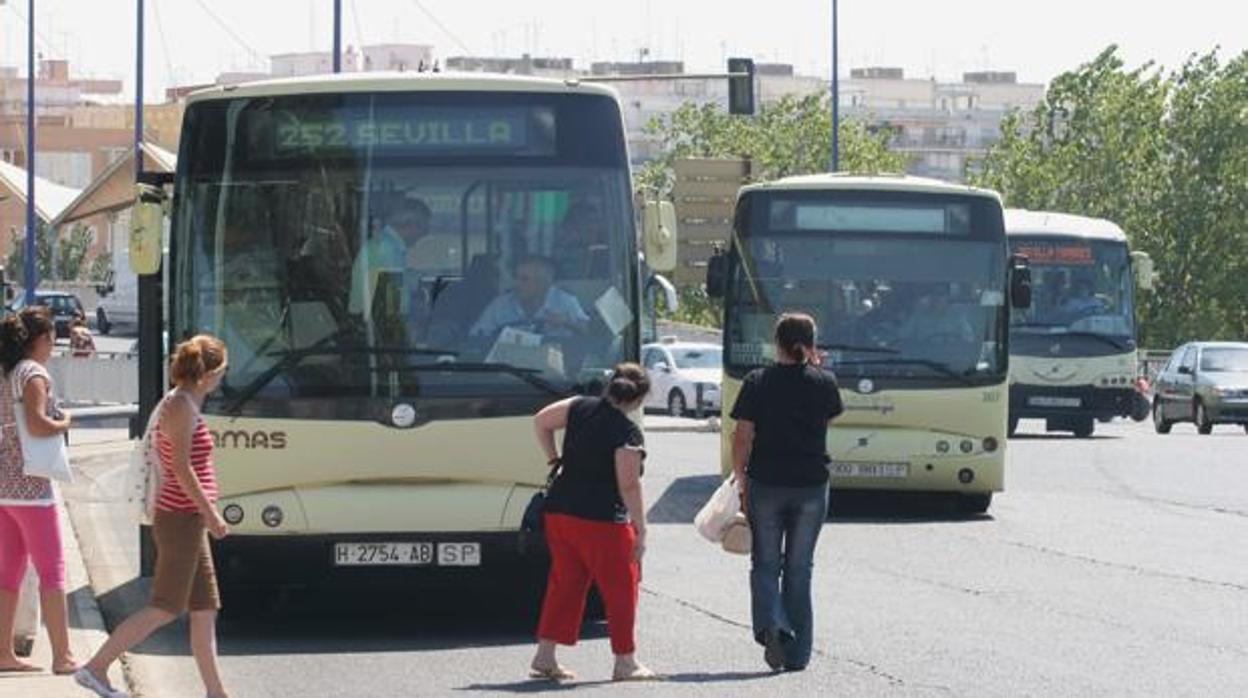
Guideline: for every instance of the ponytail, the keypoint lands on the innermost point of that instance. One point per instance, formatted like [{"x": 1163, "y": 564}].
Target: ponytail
[
  {"x": 628, "y": 384},
  {"x": 196, "y": 358}
]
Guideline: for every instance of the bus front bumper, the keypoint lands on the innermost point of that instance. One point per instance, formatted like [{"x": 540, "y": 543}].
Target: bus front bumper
[{"x": 1086, "y": 401}]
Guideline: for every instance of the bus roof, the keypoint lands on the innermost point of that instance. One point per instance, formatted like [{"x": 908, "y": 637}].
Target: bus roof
[
  {"x": 398, "y": 82},
  {"x": 842, "y": 181},
  {"x": 1048, "y": 223}
]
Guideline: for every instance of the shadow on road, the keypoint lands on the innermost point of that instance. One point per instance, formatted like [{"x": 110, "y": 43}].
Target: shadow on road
[
  {"x": 1061, "y": 436},
  {"x": 352, "y": 621},
  {"x": 542, "y": 686},
  {"x": 685, "y": 496}
]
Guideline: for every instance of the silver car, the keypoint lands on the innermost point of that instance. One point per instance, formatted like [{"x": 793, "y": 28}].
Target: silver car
[{"x": 1205, "y": 383}]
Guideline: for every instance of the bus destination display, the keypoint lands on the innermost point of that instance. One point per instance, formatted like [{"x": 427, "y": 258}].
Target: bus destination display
[{"x": 1041, "y": 253}]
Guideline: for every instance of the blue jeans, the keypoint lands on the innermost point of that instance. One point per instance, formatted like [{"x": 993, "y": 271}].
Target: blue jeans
[{"x": 785, "y": 524}]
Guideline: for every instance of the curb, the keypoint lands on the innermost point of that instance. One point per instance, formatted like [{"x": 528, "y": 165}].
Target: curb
[{"x": 89, "y": 631}]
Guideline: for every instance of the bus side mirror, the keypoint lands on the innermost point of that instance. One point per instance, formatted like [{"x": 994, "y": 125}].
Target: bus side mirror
[
  {"x": 147, "y": 229},
  {"x": 717, "y": 275},
  {"x": 1020, "y": 282},
  {"x": 1142, "y": 268},
  {"x": 659, "y": 235}
]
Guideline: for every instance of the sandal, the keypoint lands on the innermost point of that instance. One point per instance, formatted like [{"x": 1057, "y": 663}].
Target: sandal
[
  {"x": 639, "y": 673},
  {"x": 555, "y": 673}
]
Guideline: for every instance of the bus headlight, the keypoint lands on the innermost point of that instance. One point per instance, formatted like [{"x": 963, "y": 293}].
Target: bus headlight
[
  {"x": 272, "y": 516},
  {"x": 233, "y": 514},
  {"x": 990, "y": 444},
  {"x": 942, "y": 446},
  {"x": 966, "y": 476},
  {"x": 967, "y": 445}
]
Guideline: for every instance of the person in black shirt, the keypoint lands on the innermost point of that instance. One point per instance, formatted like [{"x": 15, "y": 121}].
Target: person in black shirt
[
  {"x": 780, "y": 460},
  {"x": 595, "y": 521}
]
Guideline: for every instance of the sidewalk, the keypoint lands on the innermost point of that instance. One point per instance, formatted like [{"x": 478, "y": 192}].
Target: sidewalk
[{"x": 86, "y": 633}]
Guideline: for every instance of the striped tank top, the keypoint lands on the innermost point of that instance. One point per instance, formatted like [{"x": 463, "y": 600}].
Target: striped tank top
[{"x": 171, "y": 496}]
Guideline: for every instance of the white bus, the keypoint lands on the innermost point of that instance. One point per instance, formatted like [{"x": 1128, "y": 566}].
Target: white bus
[
  {"x": 362, "y": 244},
  {"x": 1073, "y": 352}
]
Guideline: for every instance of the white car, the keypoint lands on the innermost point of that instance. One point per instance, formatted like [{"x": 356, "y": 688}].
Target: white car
[{"x": 677, "y": 369}]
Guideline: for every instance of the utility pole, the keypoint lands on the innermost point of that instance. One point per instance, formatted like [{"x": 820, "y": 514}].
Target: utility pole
[
  {"x": 836, "y": 99},
  {"x": 31, "y": 221},
  {"x": 338, "y": 36}
]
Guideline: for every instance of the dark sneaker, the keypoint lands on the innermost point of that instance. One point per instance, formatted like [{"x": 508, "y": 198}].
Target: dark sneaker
[{"x": 773, "y": 650}]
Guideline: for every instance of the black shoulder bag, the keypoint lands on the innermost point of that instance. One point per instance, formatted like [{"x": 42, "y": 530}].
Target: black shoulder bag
[{"x": 531, "y": 522}]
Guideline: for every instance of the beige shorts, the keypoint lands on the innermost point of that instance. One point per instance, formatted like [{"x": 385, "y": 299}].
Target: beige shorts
[{"x": 185, "y": 578}]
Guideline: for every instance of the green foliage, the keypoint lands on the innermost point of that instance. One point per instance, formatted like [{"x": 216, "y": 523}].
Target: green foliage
[
  {"x": 1165, "y": 157},
  {"x": 101, "y": 267},
  {"x": 695, "y": 307},
  {"x": 790, "y": 136},
  {"x": 70, "y": 256}
]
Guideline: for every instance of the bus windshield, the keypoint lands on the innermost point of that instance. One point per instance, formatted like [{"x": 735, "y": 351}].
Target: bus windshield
[
  {"x": 908, "y": 289},
  {"x": 353, "y": 249},
  {"x": 1080, "y": 287}
]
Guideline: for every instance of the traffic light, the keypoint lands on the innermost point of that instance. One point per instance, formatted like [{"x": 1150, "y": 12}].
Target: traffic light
[{"x": 741, "y": 88}]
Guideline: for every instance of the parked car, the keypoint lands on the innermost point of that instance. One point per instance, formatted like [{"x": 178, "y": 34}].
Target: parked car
[
  {"x": 1205, "y": 383},
  {"x": 63, "y": 306},
  {"x": 676, "y": 369}
]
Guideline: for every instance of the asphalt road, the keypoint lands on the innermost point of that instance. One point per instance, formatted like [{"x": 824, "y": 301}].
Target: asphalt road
[{"x": 1110, "y": 566}]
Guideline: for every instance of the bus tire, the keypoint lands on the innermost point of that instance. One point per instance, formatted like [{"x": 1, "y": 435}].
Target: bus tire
[
  {"x": 1201, "y": 417},
  {"x": 974, "y": 503},
  {"x": 1084, "y": 428},
  {"x": 1160, "y": 424}
]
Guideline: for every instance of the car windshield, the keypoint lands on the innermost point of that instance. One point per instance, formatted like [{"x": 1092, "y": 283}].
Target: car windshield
[
  {"x": 1224, "y": 360},
  {"x": 1077, "y": 286},
  {"x": 698, "y": 358}
]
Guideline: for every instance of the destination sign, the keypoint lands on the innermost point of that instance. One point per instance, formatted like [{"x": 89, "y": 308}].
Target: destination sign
[
  {"x": 1041, "y": 253},
  {"x": 526, "y": 131}
]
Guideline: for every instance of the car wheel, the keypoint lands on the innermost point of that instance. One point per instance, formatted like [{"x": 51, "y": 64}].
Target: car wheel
[
  {"x": 101, "y": 321},
  {"x": 1160, "y": 423},
  {"x": 1203, "y": 425},
  {"x": 676, "y": 405},
  {"x": 1083, "y": 428}
]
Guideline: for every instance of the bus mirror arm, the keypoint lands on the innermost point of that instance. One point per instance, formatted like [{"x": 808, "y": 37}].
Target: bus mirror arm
[{"x": 1020, "y": 282}]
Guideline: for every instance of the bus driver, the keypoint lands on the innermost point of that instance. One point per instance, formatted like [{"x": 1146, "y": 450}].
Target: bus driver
[{"x": 535, "y": 304}]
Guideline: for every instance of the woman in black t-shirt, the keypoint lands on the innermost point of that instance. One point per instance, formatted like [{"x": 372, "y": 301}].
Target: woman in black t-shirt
[
  {"x": 595, "y": 521},
  {"x": 780, "y": 459}
]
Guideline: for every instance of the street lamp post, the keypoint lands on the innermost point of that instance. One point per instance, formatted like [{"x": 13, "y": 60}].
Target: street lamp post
[
  {"x": 836, "y": 99},
  {"x": 338, "y": 36},
  {"x": 28, "y": 266}
]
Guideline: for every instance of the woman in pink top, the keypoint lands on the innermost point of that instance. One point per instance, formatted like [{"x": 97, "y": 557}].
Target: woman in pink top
[
  {"x": 30, "y": 529},
  {"x": 186, "y": 513}
]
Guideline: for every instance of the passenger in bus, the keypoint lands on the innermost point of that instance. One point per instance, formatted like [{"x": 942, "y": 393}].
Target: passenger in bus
[
  {"x": 595, "y": 521},
  {"x": 1081, "y": 303},
  {"x": 780, "y": 462},
  {"x": 934, "y": 318},
  {"x": 580, "y": 250},
  {"x": 386, "y": 250},
  {"x": 535, "y": 304},
  {"x": 186, "y": 514}
]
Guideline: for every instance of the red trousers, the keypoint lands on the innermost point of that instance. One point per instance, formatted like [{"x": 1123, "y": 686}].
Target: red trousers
[{"x": 583, "y": 551}]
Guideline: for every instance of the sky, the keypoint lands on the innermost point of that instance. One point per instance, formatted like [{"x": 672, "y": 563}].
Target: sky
[{"x": 192, "y": 41}]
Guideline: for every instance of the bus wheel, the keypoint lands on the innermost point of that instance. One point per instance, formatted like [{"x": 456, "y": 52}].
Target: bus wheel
[
  {"x": 1083, "y": 428},
  {"x": 1013, "y": 425},
  {"x": 1160, "y": 424},
  {"x": 974, "y": 503},
  {"x": 1203, "y": 425},
  {"x": 676, "y": 403}
]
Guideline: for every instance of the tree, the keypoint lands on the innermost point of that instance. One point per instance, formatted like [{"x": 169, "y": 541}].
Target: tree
[
  {"x": 788, "y": 137},
  {"x": 71, "y": 255},
  {"x": 1165, "y": 157},
  {"x": 101, "y": 268}
]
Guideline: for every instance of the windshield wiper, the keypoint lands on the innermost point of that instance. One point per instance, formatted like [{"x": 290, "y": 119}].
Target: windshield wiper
[
  {"x": 287, "y": 360},
  {"x": 936, "y": 366},
  {"x": 1108, "y": 339},
  {"x": 863, "y": 349},
  {"x": 528, "y": 375}
]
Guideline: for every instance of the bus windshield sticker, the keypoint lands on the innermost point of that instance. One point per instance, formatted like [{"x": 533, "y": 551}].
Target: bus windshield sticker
[{"x": 614, "y": 310}]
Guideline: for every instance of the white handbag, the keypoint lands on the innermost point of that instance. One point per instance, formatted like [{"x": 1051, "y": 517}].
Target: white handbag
[
  {"x": 42, "y": 456},
  {"x": 145, "y": 469},
  {"x": 719, "y": 511}
]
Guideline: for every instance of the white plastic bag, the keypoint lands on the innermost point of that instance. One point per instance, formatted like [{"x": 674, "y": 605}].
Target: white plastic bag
[
  {"x": 42, "y": 456},
  {"x": 719, "y": 511}
]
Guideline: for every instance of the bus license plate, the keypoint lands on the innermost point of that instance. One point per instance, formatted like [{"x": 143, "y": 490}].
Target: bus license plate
[
  {"x": 383, "y": 554},
  {"x": 892, "y": 470},
  {"x": 1047, "y": 401}
]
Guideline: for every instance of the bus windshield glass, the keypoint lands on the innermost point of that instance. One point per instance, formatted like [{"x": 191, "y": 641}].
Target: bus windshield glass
[
  {"x": 904, "y": 287},
  {"x": 354, "y": 249},
  {"x": 1078, "y": 286}
]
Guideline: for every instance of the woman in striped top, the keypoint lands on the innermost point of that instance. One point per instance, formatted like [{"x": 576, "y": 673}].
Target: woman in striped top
[{"x": 186, "y": 514}]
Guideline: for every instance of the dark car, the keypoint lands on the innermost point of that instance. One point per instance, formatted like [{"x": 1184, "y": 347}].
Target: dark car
[
  {"x": 1205, "y": 383},
  {"x": 63, "y": 306}
]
